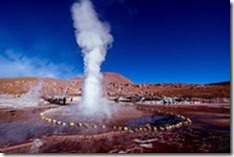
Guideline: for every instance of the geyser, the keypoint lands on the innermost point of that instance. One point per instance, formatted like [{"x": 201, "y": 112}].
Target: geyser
[
  {"x": 93, "y": 36},
  {"x": 29, "y": 99}
]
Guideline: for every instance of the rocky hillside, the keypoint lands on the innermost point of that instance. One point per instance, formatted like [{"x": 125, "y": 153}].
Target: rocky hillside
[
  {"x": 114, "y": 85},
  {"x": 115, "y": 78}
]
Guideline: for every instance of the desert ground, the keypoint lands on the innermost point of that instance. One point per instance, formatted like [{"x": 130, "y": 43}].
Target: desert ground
[
  {"x": 133, "y": 127},
  {"x": 23, "y": 131}
]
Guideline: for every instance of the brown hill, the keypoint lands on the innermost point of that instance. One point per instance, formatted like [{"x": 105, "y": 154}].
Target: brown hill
[
  {"x": 114, "y": 85},
  {"x": 220, "y": 83},
  {"x": 21, "y": 85},
  {"x": 109, "y": 77}
]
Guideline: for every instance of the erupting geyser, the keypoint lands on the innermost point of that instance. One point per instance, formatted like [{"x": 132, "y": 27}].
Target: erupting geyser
[{"x": 93, "y": 36}]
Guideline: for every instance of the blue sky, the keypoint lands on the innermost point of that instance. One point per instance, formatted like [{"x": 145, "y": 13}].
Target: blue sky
[{"x": 155, "y": 41}]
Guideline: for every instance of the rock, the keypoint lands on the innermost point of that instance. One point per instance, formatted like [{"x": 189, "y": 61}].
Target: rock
[{"x": 35, "y": 148}]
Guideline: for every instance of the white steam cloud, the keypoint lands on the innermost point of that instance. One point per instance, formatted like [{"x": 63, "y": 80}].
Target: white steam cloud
[
  {"x": 31, "y": 98},
  {"x": 14, "y": 64},
  {"x": 94, "y": 37}
]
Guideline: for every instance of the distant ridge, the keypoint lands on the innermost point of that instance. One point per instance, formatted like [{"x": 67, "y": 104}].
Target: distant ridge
[
  {"x": 111, "y": 77},
  {"x": 220, "y": 83},
  {"x": 115, "y": 84}
]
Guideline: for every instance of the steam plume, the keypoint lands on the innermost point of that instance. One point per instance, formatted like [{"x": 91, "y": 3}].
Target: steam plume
[{"x": 93, "y": 36}]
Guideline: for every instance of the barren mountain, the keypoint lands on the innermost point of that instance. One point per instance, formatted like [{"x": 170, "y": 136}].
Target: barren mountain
[
  {"x": 115, "y": 78},
  {"x": 114, "y": 85}
]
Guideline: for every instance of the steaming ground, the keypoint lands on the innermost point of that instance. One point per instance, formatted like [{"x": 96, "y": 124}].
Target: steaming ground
[
  {"x": 211, "y": 126},
  {"x": 31, "y": 98},
  {"x": 22, "y": 124},
  {"x": 26, "y": 124},
  {"x": 75, "y": 113},
  {"x": 26, "y": 100},
  {"x": 116, "y": 114}
]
